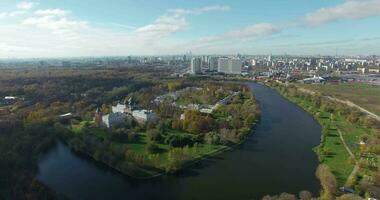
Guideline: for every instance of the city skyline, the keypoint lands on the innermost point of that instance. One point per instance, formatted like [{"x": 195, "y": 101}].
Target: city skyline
[{"x": 47, "y": 28}]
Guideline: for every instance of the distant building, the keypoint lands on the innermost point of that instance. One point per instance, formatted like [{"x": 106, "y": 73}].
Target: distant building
[
  {"x": 10, "y": 100},
  {"x": 253, "y": 62},
  {"x": 121, "y": 112},
  {"x": 229, "y": 65},
  {"x": 213, "y": 64},
  {"x": 362, "y": 70},
  {"x": 316, "y": 79},
  {"x": 195, "y": 65},
  {"x": 374, "y": 71},
  {"x": 119, "y": 108},
  {"x": 223, "y": 65},
  {"x": 143, "y": 116},
  {"x": 234, "y": 65},
  {"x": 113, "y": 119}
]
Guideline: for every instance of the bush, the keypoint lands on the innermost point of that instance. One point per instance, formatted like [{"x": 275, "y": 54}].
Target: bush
[
  {"x": 328, "y": 182},
  {"x": 153, "y": 135},
  {"x": 132, "y": 136},
  {"x": 180, "y": 140},
  {"x": 152, "y": 147}
]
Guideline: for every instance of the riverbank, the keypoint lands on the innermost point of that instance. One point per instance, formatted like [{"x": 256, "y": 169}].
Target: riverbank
[{"x": 344, "y": 139}]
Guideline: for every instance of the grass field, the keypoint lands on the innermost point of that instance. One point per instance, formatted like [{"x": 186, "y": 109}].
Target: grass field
[
  {"x": 141, "y": 142},
  {"x": 365, "y": 96},
  {"x": 138, "y": 146}
]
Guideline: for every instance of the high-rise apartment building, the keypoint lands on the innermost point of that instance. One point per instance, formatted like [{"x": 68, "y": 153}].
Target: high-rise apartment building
[
  {"x": 195, "y": 66},
  {"x": 229, "y": 65}
]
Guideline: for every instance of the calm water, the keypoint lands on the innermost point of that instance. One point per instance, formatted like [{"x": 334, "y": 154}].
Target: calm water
[{"x": 277, "y": 158}]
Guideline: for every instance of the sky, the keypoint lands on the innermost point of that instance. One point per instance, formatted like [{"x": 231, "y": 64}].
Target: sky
[{"x": 77, "y": 28}]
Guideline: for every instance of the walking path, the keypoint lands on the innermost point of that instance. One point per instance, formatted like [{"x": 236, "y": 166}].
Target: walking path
[
  {"x": 351, "y": 104},
  {"x": 345, "y": 144},
  {"x": 346, "y": 102},
  {"x": 356, "y": 167}
]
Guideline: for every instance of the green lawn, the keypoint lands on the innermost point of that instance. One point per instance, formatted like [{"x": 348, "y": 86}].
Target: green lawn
[
  {"x": 139, "y": 147},
  {"x": 77, "y": 128},
  {"x": 365, "y": 96}
]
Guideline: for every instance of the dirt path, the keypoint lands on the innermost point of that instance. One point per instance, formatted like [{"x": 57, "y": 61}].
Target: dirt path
[
  {"x": 346, "y": 102},
  {"x": 351, "y": 104},
  {"x": 356, "y": 167},
  {"x": 345, "y": 144}
]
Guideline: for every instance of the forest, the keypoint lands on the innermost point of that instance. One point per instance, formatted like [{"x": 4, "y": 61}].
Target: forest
[{"x": 29, "y": 124}]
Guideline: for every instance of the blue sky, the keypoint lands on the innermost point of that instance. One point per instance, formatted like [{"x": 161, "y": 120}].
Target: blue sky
[{"x": 56, "y": 28}]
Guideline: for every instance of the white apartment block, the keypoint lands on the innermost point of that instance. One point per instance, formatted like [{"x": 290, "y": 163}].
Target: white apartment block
[
  {"x": 229, "y": 65},
  {"x": 195, "y": 66},
  {"x": 143, "y": 116},
  {"x": 113, "y": 119}
]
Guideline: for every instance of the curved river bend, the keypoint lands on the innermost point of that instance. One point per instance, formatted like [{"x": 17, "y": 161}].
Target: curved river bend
[{"x": 277, "y": 158}]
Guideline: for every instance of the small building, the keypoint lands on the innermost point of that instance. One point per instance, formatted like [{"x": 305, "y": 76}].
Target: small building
[
  {"x": 67, "y": 115},
  {"x": 312, "y": 80},
  {"x": 346, "y": 190},
  {"x": 119, "y": 108},
  {"x": 10, "y": 100},
  {"x": 362, "y": 70},
  {"x": 143, "y": 116},
  {"x": 113, "y": 119},
  {"x": 374, "y": 71},
  {"x": 65, "y": 118}
]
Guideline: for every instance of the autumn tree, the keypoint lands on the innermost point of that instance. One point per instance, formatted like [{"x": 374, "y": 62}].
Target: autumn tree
[{"x": 328, "y": 182}]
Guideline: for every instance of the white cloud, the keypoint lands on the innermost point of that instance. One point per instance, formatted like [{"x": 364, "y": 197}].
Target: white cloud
[
  {"x": 198, "y": 11},
  {"x": 163, "y": 26},
  {"x": 53, "y": 23},
  {"x": 124, "y": 26},
  {"x": 236, "y": 37},
  {"x": 173, "y": 21},
  {"x": 26, "y": 5},
  {"x": 262, "y": 29},
  {"x": 351, "y": 9},
  {"x": 52, "y": 12},
  {"x": 56, "y": 20},
  {"x": 11, "y": 14}
]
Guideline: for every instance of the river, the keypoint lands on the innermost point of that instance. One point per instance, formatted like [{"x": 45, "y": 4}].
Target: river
[{"x": 277, "y": 158}]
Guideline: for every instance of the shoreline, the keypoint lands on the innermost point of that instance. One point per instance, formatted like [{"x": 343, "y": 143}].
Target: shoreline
[
  {"x": 158, "y": 174},
  {"x": 354, "y": 167}
]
